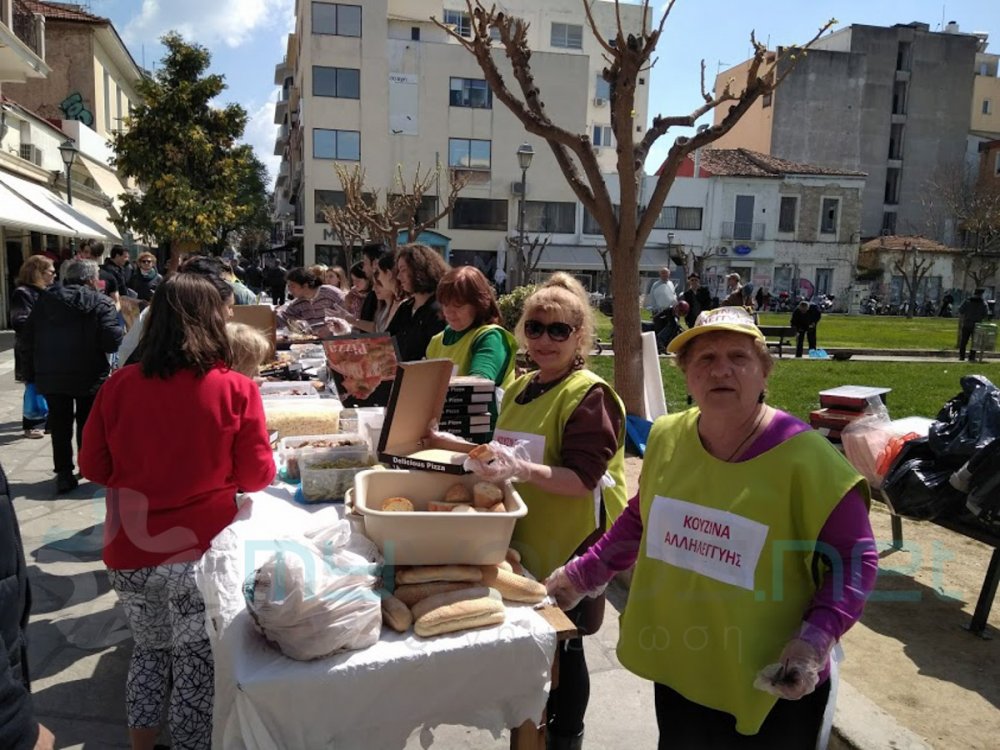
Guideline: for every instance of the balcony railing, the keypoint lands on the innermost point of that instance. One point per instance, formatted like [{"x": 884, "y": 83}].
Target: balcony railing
[
  {"x": 25, "y": 27},
  {"x": 742, "y": 230}
]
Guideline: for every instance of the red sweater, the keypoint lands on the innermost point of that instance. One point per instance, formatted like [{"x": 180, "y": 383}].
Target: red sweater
[{"x": 173, "y": 454}]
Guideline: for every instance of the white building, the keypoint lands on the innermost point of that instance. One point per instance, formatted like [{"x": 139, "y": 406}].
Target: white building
[{"x": 380, "y": 85}]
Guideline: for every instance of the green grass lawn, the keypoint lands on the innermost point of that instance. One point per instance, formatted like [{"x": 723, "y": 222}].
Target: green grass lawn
[{"x": 918, "y": 388}]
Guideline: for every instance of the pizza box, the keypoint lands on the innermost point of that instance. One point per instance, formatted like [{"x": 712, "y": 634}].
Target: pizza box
[
  {"x": 417, "y": 397},
  {"x": 853, "y": 397},
  {"x": 421, "y": 537},
  {"x": 261, "y": 317},
  {"x": 832, "y": 418}
]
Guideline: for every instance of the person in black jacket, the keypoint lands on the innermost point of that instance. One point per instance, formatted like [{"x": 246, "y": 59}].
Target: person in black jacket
[
  {"x": 19, "y": 730},
  {"x": 970, "y": 312},
  {"x": 70, "y": 333},
  {"x": 805, "y": 318},
  {"x": 145, "y": 278},
  {"x": 36, "y": 273},
  {"x": 697, "y": 297}
]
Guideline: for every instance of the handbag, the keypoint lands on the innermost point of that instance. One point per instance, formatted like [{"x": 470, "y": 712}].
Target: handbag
[{"x": 35, "y": 406}]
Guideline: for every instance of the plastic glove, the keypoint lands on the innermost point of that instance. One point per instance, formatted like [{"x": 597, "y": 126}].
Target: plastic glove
[
  {"x": 797, "y": 672},
  {"x": 561, "y": 588},
  {"x": 507, "y": 463}
]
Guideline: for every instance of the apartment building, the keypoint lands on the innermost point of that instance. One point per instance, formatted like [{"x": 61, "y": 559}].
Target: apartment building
[
  {"x": 893, "y": 102},
  {"x": 379, "y": 85}
]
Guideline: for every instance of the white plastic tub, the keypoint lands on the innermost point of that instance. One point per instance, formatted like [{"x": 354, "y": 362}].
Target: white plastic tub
[
  {"x": 303, "y": 416},
  {"x": 425, "y": 538},
  {"x": 328, "y": 473},
  {"x": 288, "y": 389},
  {"x": 289, "y": 449}
]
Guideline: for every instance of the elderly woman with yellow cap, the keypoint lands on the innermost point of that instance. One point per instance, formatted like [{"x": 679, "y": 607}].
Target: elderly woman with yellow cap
[{"x": 753, "y": 555}]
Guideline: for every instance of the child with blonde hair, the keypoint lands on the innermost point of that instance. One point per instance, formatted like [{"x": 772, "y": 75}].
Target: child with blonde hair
[{"x": 250, "y": 348}]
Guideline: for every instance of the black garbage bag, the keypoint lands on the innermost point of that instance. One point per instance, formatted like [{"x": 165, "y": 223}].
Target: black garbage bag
[
  {"x": 984, "y": 487},
  {"x": 967, "y": 422},
  {"x": 917, "y": 484}
]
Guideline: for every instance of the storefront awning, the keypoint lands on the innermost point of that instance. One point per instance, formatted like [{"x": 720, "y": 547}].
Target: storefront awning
[
  {"x": 99, "y": 216},
  {"x": 586, "y": 258},
  {"x": 107, "y": 181},
  {"x": 18, "y": 213},
  {"x": 44, "y": 200}
]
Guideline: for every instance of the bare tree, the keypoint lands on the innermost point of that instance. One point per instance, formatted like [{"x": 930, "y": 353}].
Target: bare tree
[
  {"x": 349, "y": 222},
  {"x": 629, "y": 55},
  {"x": 913, "y": 269},
  {"x": 526, "y": 256}
]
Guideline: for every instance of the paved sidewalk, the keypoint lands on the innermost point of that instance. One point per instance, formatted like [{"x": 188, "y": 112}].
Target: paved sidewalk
[{"x": 80, "y": 644}]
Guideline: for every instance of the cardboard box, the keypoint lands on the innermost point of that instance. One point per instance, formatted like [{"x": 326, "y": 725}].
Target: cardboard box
[
  {"x": 262, "y": 318},
  {"x": 425, "y": 538},
  {"x": 852, "y": 397},
  {"x": 418, "y": 395}
]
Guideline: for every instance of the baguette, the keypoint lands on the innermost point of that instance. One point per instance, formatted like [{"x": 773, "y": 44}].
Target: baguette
[
  {"x": 428, "y": 573},
  {"x": 475, "y": 607},
  {"x": 514, "y": 558},
  {"x": 411, "y": 593},
  {"x": 395, "y": 614},
  {"x": 511, "y": 586}
]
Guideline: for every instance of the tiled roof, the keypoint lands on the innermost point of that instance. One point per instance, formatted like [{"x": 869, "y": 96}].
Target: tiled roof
[
  {"x": 63, "y": 12},
  {"x": 898, "y": 242},
  {"x": 742, "y": 162}
]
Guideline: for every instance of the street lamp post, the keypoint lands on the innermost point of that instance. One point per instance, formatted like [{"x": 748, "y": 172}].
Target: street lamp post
[
  {"x": 68, "y": 152},
  {"x": 524, "y": 155}
]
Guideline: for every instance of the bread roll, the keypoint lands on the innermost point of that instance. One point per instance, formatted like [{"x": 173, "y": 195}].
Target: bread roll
[
  {"x": 498, "y": 508},
  {"x": 513, "y": 587},
  {"x": 438, "y": 506},
  {"x": 427, "y": 573},
  {"x": 458, "y": 493},
  {"x": 486, "y": 494},
  {"x": 457, "y": 610},
  {"x": 411, "y": 593},
  {"x": 395, "y": 614},
  {"x": 463, "y": 508},
  {"x": 482, "y": 453},
  {"x": 397, "y": 504}
]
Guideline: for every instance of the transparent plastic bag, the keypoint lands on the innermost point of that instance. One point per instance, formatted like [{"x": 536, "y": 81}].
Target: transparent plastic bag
[{"x": 865, "y": 439}]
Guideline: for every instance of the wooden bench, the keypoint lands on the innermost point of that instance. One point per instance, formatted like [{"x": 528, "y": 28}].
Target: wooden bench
[{"x": 778, "y": 337}]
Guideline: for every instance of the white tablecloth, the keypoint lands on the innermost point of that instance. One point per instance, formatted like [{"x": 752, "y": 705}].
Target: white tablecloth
[{"x": 490, "y": 679}]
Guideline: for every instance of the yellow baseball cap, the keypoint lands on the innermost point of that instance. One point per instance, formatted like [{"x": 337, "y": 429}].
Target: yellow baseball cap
[{"x": 735, "y": 319}]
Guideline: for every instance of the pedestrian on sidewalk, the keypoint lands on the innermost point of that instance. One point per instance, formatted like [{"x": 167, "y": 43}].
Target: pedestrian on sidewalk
[
  {"x": 70, "y": 333},
  {"x": 745, "y": 522},
  {"x": 970, "y": 312},
  {"x": 204, "y": 424},
  {"x": 19, "y": 729},
  {"x": 660, "y": 302},
  {"x": 805, "y": 318},
  {"x": 36, "y": 274}
]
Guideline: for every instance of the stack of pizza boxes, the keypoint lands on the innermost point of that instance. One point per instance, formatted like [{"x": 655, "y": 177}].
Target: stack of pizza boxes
[
  {"x": 467, "y": 408},
  {"x": 841, "y": 406}
]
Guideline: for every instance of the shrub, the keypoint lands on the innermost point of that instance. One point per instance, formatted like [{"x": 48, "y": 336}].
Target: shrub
[{"x": 512, "y": 304}]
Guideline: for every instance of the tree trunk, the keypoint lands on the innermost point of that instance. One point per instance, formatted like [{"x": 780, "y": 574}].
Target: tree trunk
[{"x": 628, "y": 327}]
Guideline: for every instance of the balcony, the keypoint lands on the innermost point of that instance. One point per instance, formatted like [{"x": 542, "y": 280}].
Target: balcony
[
  {"x": 22, "y": 42},
  {"x": 280, "y": 110},
  {"x": 283, "y": 172},
  {"x": 281, "y": 140},
  {"x": 742, "y": 230},
  {"x": 281, "y": 72}
]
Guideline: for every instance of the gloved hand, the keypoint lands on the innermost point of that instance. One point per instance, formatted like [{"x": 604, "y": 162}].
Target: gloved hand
[
  {"x": 797, "y": 672},
  {"x": 504, "y": 463},
  {"x": 561, "y": 588}
]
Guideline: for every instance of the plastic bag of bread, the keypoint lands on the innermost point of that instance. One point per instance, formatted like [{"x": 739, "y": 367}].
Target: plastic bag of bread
[
  {"x": 864, "y": 439},
  {"x": 311, "y": 604}
]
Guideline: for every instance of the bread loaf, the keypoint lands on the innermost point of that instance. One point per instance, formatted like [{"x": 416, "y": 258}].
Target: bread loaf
[
  {"x": 475, "y": 607},
  {"x": 411, "y": 593},
  {"x": 427, "y": 573},
  {"x": 395, "y": 614},
  {"x": 458, "y": 493},
  {"x": 514, "y": 558},
  {"x": 511, "y": 586},
  {"x": 486, "y": 495}
]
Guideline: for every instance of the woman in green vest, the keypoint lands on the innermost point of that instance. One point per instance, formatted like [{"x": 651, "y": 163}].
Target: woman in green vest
[
  {"x": 473, "y": 338},
  {"x": 560, "y": 433},
  {"x": 753, "y": 555}
]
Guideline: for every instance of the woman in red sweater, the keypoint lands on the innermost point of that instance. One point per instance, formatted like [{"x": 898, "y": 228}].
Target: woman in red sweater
[{"x": 173, "y": 438}]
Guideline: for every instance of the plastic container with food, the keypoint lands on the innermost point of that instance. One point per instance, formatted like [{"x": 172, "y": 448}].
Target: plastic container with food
[
  {"x": 289, "y": 449},
  {"x": 288, "y": 389},
  {"x": 426, "y": 538},
  {"x": 291, "y": 417},
  {"x": 328, "y": 473}
]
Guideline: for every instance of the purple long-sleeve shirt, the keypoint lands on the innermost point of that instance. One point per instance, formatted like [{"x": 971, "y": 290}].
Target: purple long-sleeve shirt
[{"x": 834, "y": 608}]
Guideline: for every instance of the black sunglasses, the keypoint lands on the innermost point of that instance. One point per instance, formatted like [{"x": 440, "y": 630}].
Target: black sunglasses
[{"x": 534, "y": 329}]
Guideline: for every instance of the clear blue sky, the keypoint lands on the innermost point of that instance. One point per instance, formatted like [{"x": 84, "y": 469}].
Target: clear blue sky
[{"x": 247, "y": 39}]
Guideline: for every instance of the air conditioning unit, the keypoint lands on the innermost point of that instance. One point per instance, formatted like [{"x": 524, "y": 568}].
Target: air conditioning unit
[
  {"x": 298, "y": 231},
  {"x": 31, "y": 152},
  {"x": 599, "y": 101},
  {"x": 516, "y": 188},
  {"x": 723, "y": 250}
]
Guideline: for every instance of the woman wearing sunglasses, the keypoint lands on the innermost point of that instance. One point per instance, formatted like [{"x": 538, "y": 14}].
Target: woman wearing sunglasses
[
  {"x": 145, "y": 279},
  {"x": 566, "y": 428}
]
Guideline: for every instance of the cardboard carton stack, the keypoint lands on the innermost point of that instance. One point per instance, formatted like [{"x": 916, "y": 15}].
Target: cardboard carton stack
[
  {"x": 841, "y": 406},
  {"x": 466, "y": 411}
]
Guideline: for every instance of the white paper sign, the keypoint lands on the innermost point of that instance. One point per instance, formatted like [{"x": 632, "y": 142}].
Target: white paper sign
[
  {"x": 715, "y": 543},
  {"x": 534, "y": 444}
]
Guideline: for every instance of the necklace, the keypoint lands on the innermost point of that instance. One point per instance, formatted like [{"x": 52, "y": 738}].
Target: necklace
[{"x": 760, "y": 418}]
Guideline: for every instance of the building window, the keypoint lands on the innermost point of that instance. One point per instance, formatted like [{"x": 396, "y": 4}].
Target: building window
[
  {"x": 550, "y": 216},
  {"x": 889, "y": 223},
  {"x": 468, "y": 153},
  {"x": 567, "y": 35},
  {"x": 591, "y": 225},
  {"x": 330, "y": 255},
  {"x": 828, "y": 219},
  {"x": 603, "y": 136},
  {"x": 766, "y": 100},
  {"x": 786, "y": 213},
  {"x": 324, "y": 199},
  {"x": 892, "y": 186},
  {"x": 460, "y": 20},
  {"x": 903, "y": 56},
  {"x": 896, "y": 141},
  {"x": 479, "y": 213},
  {"x": 336, "y": 19},
  {"x": 602, "y": 88},
  {"x": 987, "y": 106},
  {"x": 678, "y": 217},
  {"x": 426, "y": 211},
  {"x": 996, "y": 167},
  {"x": 344, "y": 145},
  {"x": 470, "y": 92},
  {"x": 899, "y": 98},
  {"x": 415, "y": 33},
  {"x": 107, "y": 101},
  {"x": 344, "y": 83}
]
